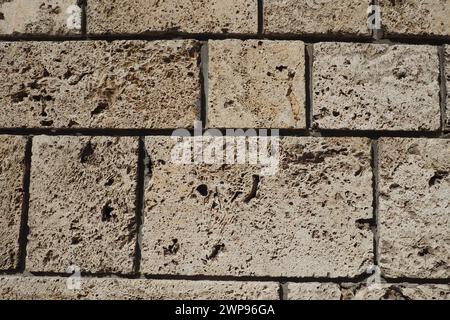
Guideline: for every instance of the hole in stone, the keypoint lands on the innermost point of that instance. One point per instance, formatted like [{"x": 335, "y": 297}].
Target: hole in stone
[
  {"x": 438, "y": 176},
  {"x": 203, "y": 190},
  {"x": 106, "y": 212},
  {"x": 215, "y": 251},
  {"x": 172, "y": 248},
  {"x": 86, "y": 152},
  {"x": 101, "y": 106},
  {"x": 109, "y": 182}
]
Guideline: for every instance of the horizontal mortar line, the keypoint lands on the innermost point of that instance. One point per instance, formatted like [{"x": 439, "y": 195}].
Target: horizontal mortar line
[
  {"x": 337, "y": 280},
  {"x": 372, "y": 134},
  {"x": 311, "y": 38}
]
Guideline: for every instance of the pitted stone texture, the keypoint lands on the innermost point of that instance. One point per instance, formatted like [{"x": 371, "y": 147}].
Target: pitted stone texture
[
  {"x": 99, "y": 84},
  {"x": 12, "y": 153},
  {"x": 256, "y": 84},
  {"x": 52, "y": 288},
  {"x": 376, "y": 87},
  {"x": 44, "y": 17},
  {"x": 395, "y": 292},
  {"x": 416, "y": 17},
  {"x": 349, "y": 17},
  {"x": 313, "y": 291},
  {"x": 180, "y": 16},
  {"x": 308, "y": 219},
  {"x": 414, "y": 207},
  {"x": 447, "y": 72},
  {"x": 82, "y": 204}
]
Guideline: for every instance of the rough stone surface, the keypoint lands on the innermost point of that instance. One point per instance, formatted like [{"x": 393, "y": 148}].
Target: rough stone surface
[
  {"x": 82, "y": 204},
  {"x": 52, "y": 288},
  {"x": 142, "y": 16},
  {"x": 349, "y": 17},
  {"x": 12, "y": 153},
  {"x": 313, "y": 291},
  {"x": 376, "y": 87},
  {"x": 308, "y": 219},
  {"x": 96, "y": 84},
  {"x": 245, "y": 94},
  {"x": 447, "y": 72},
  {"x": 395, "y": 292},
  {"x": 414, "y": 207},
  {"x": 416, "y": 17},
  {"x": 45, "y": 17}
]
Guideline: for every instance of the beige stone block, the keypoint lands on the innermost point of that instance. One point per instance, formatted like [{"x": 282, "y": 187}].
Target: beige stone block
[
  {"x": 376, "y": 87},
  {"x": 414, "y": 207},
  {"x": 306, "y": 219},
  {"x": 313, "y": 291},
  {"x": 185, "y": 16},
  {"x": 256, "y": 84},
  {"x": 99, "y": 84},
  {"x": 40, "y": 17},
  {"x": 12, "y": 154},
  {"x": 82, "y": 204},
  {"x": 346, "y": 17},
  {"x": 53, "y": 288}
]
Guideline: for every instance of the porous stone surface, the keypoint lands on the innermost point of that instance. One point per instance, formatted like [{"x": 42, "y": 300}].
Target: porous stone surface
[
  {"x": 185, "y": 16},
  {"x": 52, "y": 288},
  {"x": 309, "y": 218},
  {"x": 43, "y": 17},
  {"x": 376, "y": 87},
  {"x": 99, "y": 84},
  {"x": 313, "y": 291},
  {"x": 414, "y": 208},
  {"x": 12, "y": 154},
  {"x": 267, "y": 94},
  {"x": 447, "y": 72},
  {"x": 400, "y": 291},
  {"x": 82, "y": 204},
  {"x": 416, "y": 17},
  {"x": 349, "y": 17}
]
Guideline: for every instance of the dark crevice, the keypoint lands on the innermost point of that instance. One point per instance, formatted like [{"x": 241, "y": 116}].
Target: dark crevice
[
  {"x": 309, "y": 62},
  {"x": 107, "y": 212},
  {"x": 253, "y": 192},
  {"x": 375, "y": 201},
  {"x": 443, "y": 88},
  {"x": 23, "y": 235},
  {"x": 86, "y": 152},
  {"x": 83, "y": 5},
  {"x": 260, "y": 17},
  {"x": 215, "y": 251}
]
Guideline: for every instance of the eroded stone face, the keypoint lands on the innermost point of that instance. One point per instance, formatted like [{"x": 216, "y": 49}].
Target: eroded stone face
[
  {"x": 414, "y": 207},
  {"x": 82, "y": 204},
  {"x": 142, "y": 16},
  {"x": 306, "y": 220},
  {"x": 96, "y": 84},
  {"x": 256, "y": 84},
  {"x": 376, "y": 87},
  {"x": 447, "y": 71},
  {"x": 49, "y": 17},
  {"x": 313, "y": 291},
  {"x": 12, "y": 154},
  {"x": 416, "y": 17},
  {"x": 348, "y": 17},
  {"x": 52, "y": 288}
]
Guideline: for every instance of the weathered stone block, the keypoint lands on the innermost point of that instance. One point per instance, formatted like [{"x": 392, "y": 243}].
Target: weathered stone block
[
  {"x": 44, "y": 17},
  {"x": 313, "y": 291},
  {"x": 347, "y": 17},
  {"x": 416, "y": 17},
  {"x": 52, "y": 288},
  {"x": 376, "y": 87},
  {"x": 256, "y": 84},
  {"x": 308, "y": 219},
  {"x": 447, "y": 72},
  {"x": 185, "y": 16},
  {"x": 12, "y": 154},
  {"x": 414, "y": 207},
  {"x": 99, "y": 84},
  {"x": 82, "y": 204}
]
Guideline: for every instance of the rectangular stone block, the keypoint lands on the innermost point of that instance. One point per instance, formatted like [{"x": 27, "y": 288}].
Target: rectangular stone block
[
  {"x": 376, "y": 87},
  {"x": 325, "y": 17},
  {"x": 12, "y": 154},
  {"x": 82, "y": 204},
  {"x": 53, "y": 288},
  {"x": 40, "y": 17},
  {"x": 362, "y": 291},
  {"x": 415, "y": 17},
  {"x": 414, "y": 207},
  {"x": 99, "y": 84},
  {"x": 308, "y": 217},
  {"x": 256, "y": 84},
  {"x": 175, "y": 16}
]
